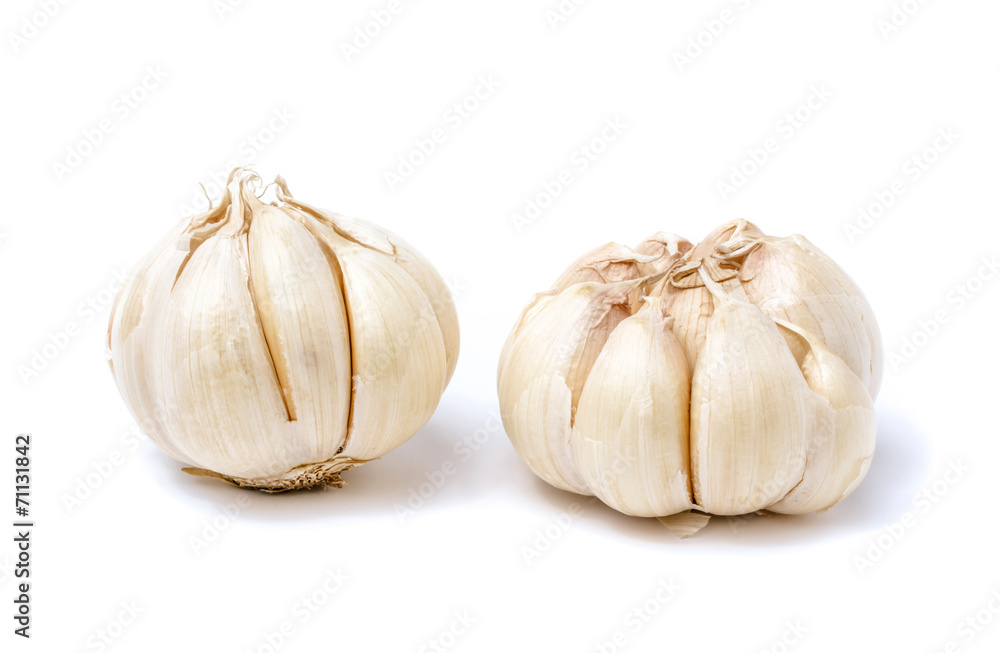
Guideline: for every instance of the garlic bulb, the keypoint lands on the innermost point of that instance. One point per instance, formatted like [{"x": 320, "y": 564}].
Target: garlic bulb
[
  {"x": 275, "y": 345},
  {"x": 729, "y": 377}
]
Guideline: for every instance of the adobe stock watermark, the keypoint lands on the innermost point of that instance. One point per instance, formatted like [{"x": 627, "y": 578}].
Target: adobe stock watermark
[
  {"x": 121, "y": 108},
  {"x": 560, "y": 13},
  {"x": 213, "y": 184},
  {"x": 972, "y": 626},
  {"x": 302, "y": 611},
  {"x": 914, "y": 168},
  {"x": 790, "y": 636},
  {"x": 956, "y": 299},
  {"x": 368, "y": 32},
  {"x": 127, "y": 614},
  {"x": 545, "y": 537},
  {"x": 100, "y": 471},
  {"x": 214, "y": 528},
  {"x": 421, "y": 328},
  {"x": 899, "y": 16},
  {"x": 462, "y": 452},
  {"x": 33, "y": 23},
  {"x": 737, "y": 522},
  {"x": 446, "y": 639},
  {"x": 58, "y": 341},
  {"x": 223, "y": 8},
  {"x": 923, "y": 502},
  {"x": 581, "y": 159},
  {"x": 711, "y": 30},
  {"x": 453, "y": 119},
  {"x": 785, "y": 129},
  {"x": 639, "y": 616}
]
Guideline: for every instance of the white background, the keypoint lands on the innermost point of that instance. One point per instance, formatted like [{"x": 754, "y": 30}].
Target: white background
[{"x": 740, "y": 584}]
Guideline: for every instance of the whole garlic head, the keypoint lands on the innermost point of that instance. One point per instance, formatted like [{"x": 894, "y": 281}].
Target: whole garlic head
[
  {"x": 729, "y": 377},
  {"x": 275, "y": 345}
]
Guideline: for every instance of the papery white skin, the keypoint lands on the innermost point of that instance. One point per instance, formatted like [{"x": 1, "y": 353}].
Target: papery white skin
[
  {"x": 840, "y": 451},
  {"x": 791, "y": 279},
  {"x": 543, "y": 376},
  {"x": 751, "y": 412},
  {"x": 777, "y": 418},
  {"x": 630, "y": 432},
  {"x": 273, "y": 347}
]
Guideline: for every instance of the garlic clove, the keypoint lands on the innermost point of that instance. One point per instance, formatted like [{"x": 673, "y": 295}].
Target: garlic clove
[
  {"x": 838, "y": 456},
  {"x": 405, "y": 256},
  {"x": 438, "y": 294},
  {"x": 538, "y": 423},
  {"x": 691, "y": 309},
  {"x": 214, "y": 370},
  {"x": 135, "y": 328},
  {"x": 133, "y": 325},
  {"x": 630, "y": 435},
  {"x": 791, "y": 279},
  {"x": 751, "y": 411},
  {"x": 548, "y": 364},
  {"x": 528, "y": 314},
  {"x": 398, "y": 358},
  {"x": 300, "y": 304}
]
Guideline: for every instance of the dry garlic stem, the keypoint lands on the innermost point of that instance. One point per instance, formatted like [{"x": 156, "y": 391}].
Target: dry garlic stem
[
  {"x": 613, "y": 262},
  {"x": 668, "y": 248},
  {"x": 606, "y": 264}
]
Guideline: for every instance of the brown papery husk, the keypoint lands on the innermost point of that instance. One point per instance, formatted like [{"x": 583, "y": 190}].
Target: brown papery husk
[{"x": 303, "y": 477}]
